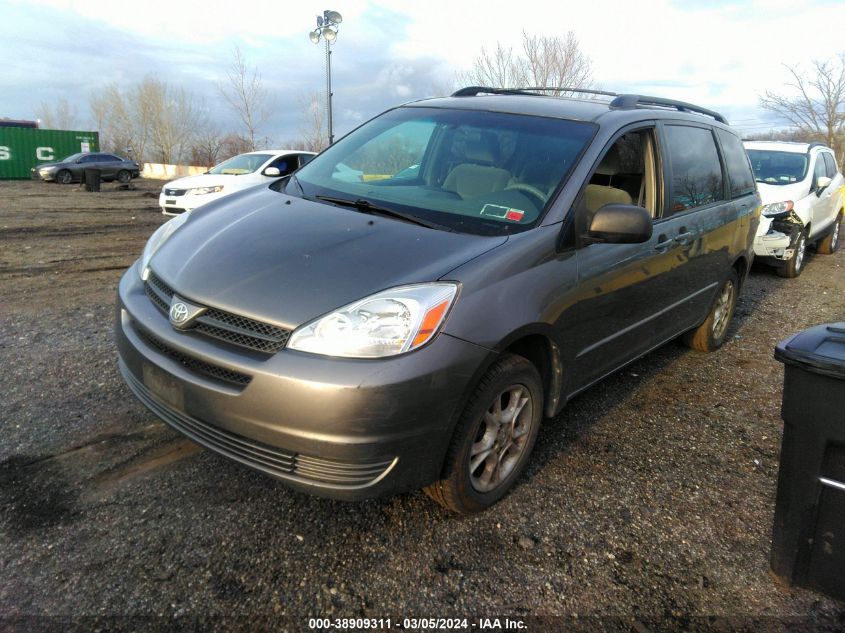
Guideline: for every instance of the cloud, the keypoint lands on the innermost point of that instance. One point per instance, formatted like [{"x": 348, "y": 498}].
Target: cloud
[{"x": 719, "y": 54}]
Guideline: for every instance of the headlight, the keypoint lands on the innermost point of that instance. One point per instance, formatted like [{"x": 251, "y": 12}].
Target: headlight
[
  {"x": 385, "y": 324},
  {"x": 200, "y": 191},
  {"x": 158, "y": 238},
  {"x": 777, "y": 208}
]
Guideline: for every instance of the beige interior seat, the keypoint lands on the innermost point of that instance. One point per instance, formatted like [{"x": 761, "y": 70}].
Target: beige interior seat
[
  {"x": 596, "y": 196},
  {"x": 477, "y": 176}
]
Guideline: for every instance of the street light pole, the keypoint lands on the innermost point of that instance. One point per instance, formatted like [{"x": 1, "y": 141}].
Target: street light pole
[
  {"x": 329, "y": 90},
  {"x": 327, "y": 30}
]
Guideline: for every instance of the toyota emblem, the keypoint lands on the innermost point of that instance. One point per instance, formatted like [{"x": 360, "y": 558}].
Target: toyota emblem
[{"x": 178, "y": 313}]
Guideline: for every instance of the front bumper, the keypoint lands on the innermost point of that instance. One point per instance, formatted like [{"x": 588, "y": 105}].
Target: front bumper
[
  {"x": 343, "y": 428},
  {"x": 776, "y": 238},
  {"x": 46, "y": 176},
  {"x": 175, "y": 205}
]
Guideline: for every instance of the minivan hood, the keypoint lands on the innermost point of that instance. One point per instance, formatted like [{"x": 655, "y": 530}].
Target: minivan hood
[
  {"x": 779, "y": 193},
  {"x": 287, "y": 260}
]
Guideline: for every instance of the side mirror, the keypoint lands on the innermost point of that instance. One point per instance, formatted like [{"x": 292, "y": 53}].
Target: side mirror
[
  {"x": 272, "y": 172},
  {"x": 821, "y": 183},
  {"x": 620, "y": 224}
]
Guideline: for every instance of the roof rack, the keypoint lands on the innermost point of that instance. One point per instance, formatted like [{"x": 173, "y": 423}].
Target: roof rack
[
  {"x": 629, "y": 102},
  {"x": 620, "y": 101}
]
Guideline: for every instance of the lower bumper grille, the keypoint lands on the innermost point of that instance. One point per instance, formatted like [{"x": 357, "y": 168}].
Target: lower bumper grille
[
  {"x": 269, "y": 459},
  {"x": 194, "y": 364}
]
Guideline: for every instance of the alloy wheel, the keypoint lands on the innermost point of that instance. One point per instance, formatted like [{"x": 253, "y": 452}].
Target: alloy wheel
[
  {"x": 722, "y": 312},
  {"x": 799, "y": 252},
  {"x": 501, "y": 439}
]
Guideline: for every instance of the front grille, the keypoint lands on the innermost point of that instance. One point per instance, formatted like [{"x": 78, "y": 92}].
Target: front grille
[
  {"x": 241, "y": 331},
  {"x": 174, "y": 192},
  {"x": 174, "y": 210},
  {"x": 194, "y": 364},
  {"x": 225, "y": 326},
  {"x": 269, "y": 459}
]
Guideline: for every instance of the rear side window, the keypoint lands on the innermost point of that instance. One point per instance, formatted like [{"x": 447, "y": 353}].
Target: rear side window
[
  {"x": 696, "y": 171},
  {"x": 736, "y": 160},
  {"x": 830, "y": 164}
]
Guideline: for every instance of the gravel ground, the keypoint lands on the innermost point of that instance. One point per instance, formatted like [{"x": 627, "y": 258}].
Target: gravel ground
[{"x": 647, "y": 506}]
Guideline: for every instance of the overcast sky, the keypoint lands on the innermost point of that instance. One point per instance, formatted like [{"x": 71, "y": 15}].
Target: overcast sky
[{"x": 718, "y": 54}]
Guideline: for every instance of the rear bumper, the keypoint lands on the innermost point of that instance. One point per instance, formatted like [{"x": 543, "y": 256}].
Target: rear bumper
[{"x": 343, "y": 428}]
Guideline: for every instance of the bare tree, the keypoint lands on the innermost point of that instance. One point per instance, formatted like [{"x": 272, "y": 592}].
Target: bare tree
[
  {"x": 232, "y": 145},
  {"x": 207, "y": 145},
  {"x": 62, "y": 116},
  {"x": 174, "y": 117},
  {"x": 545, "y": 61},
  {"x": 312, "y": 130},
  {"x": 245, "y": 93},
  {"x": 151, "y": 120},
  {"x": 817, "y": 103},
  {"x": 556, "y": 61}
]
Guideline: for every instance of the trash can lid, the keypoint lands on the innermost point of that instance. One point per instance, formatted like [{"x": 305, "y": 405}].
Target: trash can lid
[{"x": 820, "y": 349}]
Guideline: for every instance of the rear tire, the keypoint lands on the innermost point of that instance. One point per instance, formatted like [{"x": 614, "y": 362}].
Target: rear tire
[
  {"x": 795, "y": 265},
  {"x": 123, "y": 176},
  {"x": 830, "y": 244},
  {"x": 64, "y": 177},
  {"x": 493, "y": 438},
  {"x": 710, "y": 335}
]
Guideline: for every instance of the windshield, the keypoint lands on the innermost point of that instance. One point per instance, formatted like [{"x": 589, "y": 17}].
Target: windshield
[
  {"x": 478, "y": 172},
  {"x": 73, "y": 157},
  {"x": 243, "y": 164},
  {"x": 778, "y": 168}
]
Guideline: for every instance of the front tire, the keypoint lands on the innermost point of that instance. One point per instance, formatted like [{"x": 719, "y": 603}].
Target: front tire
[
  {"x": 64, "y": 177},
  {"x": 493, "y": 438},
  {"x": 830, "y": 244},
  {"x": 795, "y": 265},
  {"x": 123, "y": 176},
  {"x": 710, "y": 335}
]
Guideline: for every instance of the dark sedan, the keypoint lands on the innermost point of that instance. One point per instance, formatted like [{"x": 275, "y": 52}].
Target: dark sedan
[{"x": 70, "y": 169}]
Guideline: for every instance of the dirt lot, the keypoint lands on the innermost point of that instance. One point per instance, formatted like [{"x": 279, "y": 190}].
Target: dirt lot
[{"x": 648, "y": 505}]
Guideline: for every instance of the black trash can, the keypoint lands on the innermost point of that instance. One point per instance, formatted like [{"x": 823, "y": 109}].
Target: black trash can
[
  {"x": 808, "y": 536},
  {"x": 91, "y": 178}
]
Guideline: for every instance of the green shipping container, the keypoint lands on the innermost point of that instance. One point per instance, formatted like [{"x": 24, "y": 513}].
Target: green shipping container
[{"x": 22, "y": 148}]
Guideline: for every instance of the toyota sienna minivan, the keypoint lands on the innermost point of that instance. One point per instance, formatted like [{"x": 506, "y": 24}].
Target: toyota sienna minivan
[{"x": 403, "y": 311}]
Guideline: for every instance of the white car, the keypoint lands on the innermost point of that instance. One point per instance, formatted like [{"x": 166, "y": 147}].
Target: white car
[
  {"x": 236, "y": 174},
  {"x": 801, "y": 189}
]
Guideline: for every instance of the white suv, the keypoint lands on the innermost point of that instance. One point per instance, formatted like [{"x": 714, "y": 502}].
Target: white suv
[
  {"x": 237, "y": 173},
  {"x": 801, "y": 188}
]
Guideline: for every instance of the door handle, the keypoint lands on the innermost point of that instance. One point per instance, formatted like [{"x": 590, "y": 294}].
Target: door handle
[
  {"x": 684, "y": 239},
  {"x": 664, "y": 244}
]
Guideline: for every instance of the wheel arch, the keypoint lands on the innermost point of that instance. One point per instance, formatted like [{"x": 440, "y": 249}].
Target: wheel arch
[{"x": 536, "y": 344}]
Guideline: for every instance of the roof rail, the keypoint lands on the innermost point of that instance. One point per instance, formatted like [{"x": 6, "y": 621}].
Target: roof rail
[
  {"x": 472, "y": 91},
  {"x": 567, "y": 89},
  {"x": 620, "y": 101},
  {"x": 628, "y": 102},
  {"x": 812, "y": 145}
]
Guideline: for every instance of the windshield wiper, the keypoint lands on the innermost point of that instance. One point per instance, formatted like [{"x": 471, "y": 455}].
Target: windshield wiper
[{"x": 365, "y": 206}]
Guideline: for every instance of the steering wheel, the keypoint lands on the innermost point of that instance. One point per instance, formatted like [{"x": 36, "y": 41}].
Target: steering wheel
[{"x": 530, "y": 189}]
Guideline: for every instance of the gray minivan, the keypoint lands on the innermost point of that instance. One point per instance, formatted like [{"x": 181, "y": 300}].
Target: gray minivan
[{"x": 404, "y": 310}]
